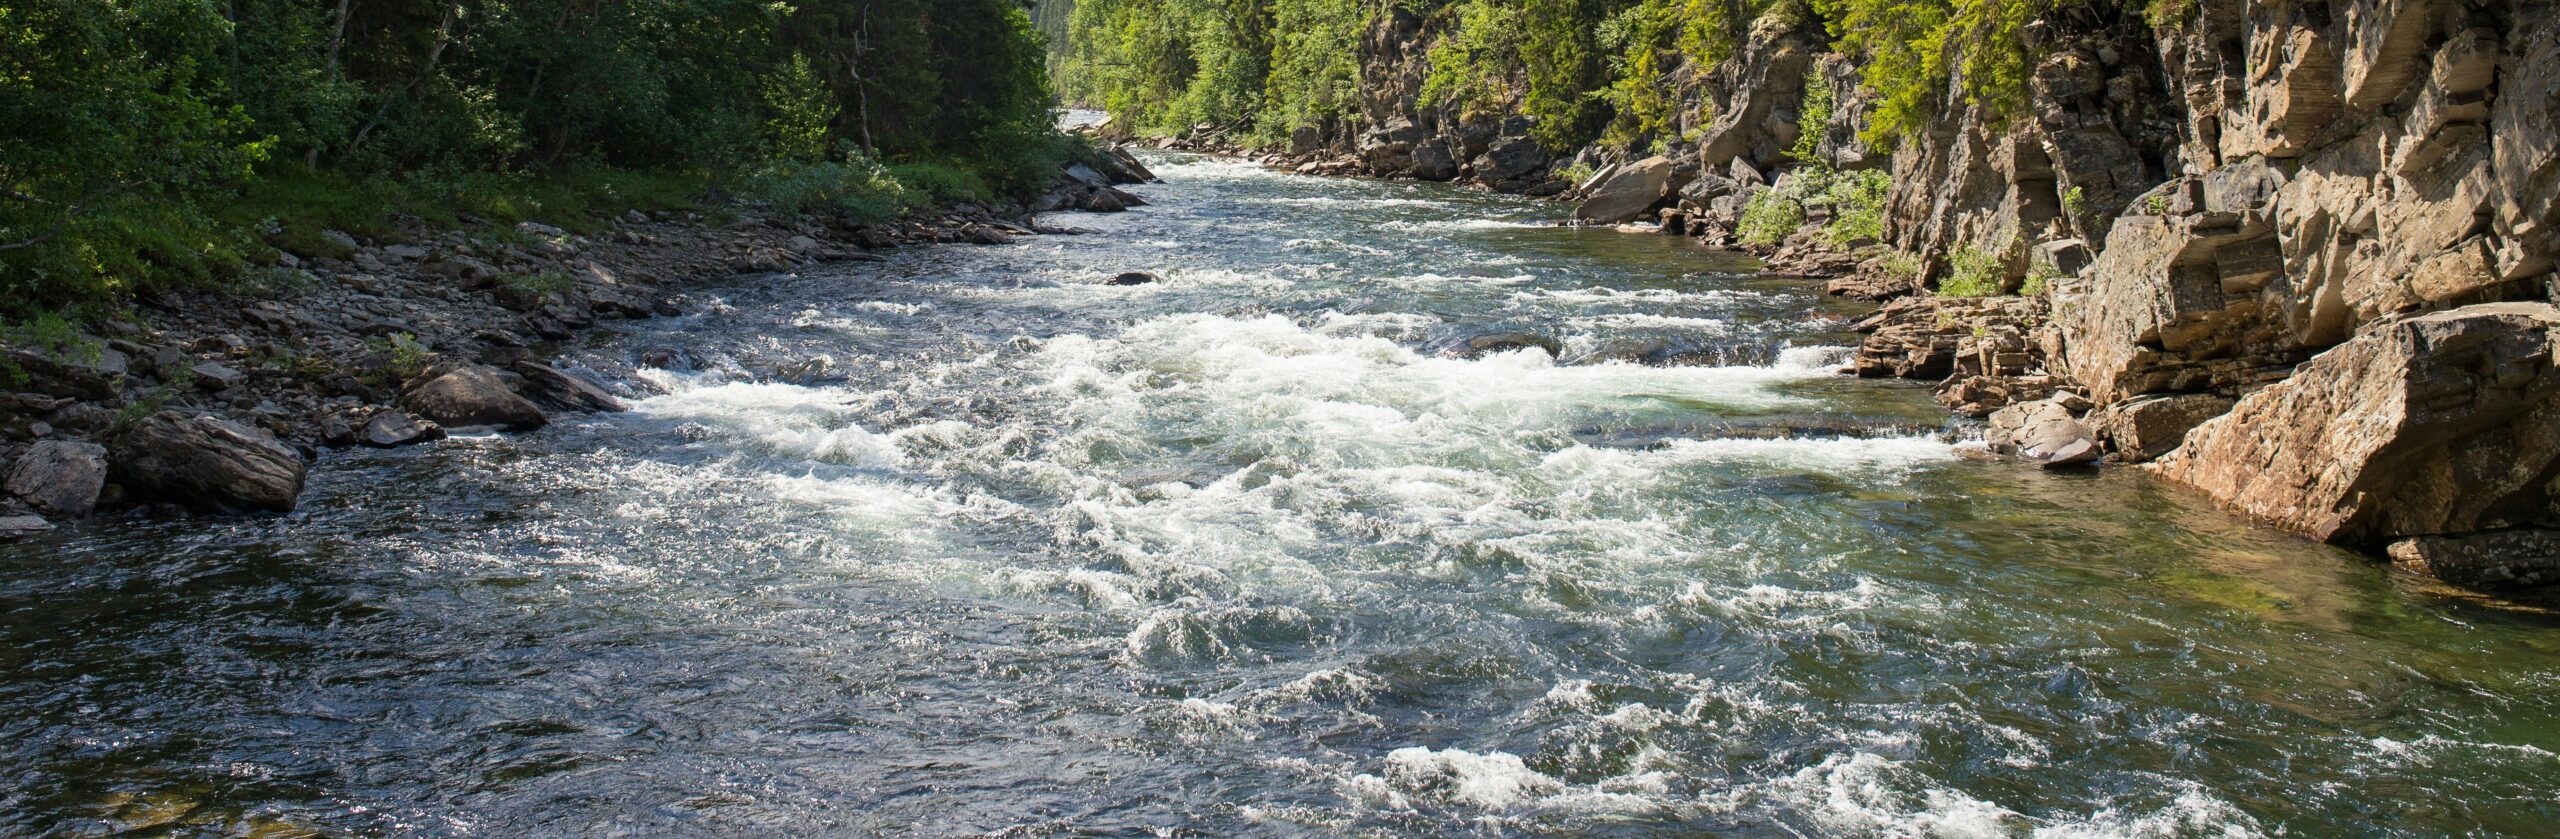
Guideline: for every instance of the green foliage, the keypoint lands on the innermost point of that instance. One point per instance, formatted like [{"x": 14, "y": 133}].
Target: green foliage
[
  {"x": 1813, "y": 118},
  {"x": 1771, "y": 217},
  {"x": 1918, "y": 56},
  {"x": 158, "y": 142},
  {"x": 1973, "y": 273},
  {"x": 857, "y": 189},
  {"x": 803, "y": 112},
  {"x": 1857, "y": 206},
  {"x": 1315, "y": 75},
  {"x": 2039, "y": 277}
]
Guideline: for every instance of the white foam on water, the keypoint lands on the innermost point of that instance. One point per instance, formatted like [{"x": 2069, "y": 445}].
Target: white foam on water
[
  {"x": 815, "y": 424},
  {"x": 1428, "y": 278},
  {"x": 1334, "y": 201},
  {"x": 1335, "y": 245},
  {"x": 2193, "y": 813},
  {"x": 1219, "y": 169},
  {"x": 1498, "y": 784},
  {"x": 1634, "y": 297},
  {"x": 1708, "y": 326},
  {"x": 1866, "y": 794},
  {"x": 883, "y": 307},
  {"x": 1460, "y": 224}
]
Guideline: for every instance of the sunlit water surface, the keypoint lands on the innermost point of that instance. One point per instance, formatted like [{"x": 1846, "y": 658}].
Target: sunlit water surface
[{"x": 973, "y": 543}]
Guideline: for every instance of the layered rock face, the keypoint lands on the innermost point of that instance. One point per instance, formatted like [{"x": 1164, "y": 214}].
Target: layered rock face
[
  {"x": 2439, "y": 424},
  {"x": 2361, "y": 185}
]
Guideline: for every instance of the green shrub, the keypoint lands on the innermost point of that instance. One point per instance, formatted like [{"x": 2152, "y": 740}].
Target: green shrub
[
  {"x": 1973, "y": 273},
  {"x": 942, "y": 181},
  {"x": 1771, "y": 216},
  {"x": 858, "y": 190},
  {"x": 1857, "y": 205}
]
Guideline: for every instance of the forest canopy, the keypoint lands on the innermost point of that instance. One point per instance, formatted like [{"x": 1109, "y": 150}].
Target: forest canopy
[
  {"x": 139, "y": 130},
  {"x": 1584, "y": 70}
]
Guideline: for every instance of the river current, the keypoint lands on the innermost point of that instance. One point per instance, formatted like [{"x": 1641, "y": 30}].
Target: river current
[{"x": 971, "y": 542}]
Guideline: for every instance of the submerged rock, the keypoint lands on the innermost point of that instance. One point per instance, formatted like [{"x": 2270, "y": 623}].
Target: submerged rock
[
  {"x": 566, "y": 390},
  {"x": 2502, "y": 560},
  {"x": 1132, "y": 278},
  {"x": 473, "y": 396},
  {"x": 1489, "y": 343},
  {"x": 392, "y": 429},
  {"x": 22, "y": 526},
  {"x": 2444, "y": 423},
  {"x": 207, "y": 464},
  {"x": 60, "y": 477}
]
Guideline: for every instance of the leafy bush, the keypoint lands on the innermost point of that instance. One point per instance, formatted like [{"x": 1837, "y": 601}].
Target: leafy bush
[
  {"x": 858, "y": 190},
  {"x": 941, "y": 181},
  {"x": 1771, "y": 216},
  {"x": 1857, "y": 205},
  {"x": 1973, "y": 273}
]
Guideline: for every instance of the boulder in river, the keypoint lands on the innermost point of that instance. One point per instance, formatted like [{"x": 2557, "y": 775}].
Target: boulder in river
[
  {"x": 472, "y": 396},
  {"x": 566, "y": 390},
  {"x": 1489, "y": 343},
  {"x": 206, "y": 464},
  {"x": 2043, "y": 432},
  {"x": 1132, "y": 278},
  {"x": 22, "y": 526},
  {"x": 1631, "y": 190},
  {"x": 60, "y": 477},
  {"x": 394, "y": 428},
  {"x": 2441, "y": 423}
]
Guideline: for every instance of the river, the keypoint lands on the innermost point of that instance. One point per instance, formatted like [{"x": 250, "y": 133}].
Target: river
[{"x": 971, "y": 542}]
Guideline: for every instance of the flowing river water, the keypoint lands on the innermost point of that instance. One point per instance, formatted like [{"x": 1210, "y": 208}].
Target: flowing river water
[{"x": 971, "y": 542}]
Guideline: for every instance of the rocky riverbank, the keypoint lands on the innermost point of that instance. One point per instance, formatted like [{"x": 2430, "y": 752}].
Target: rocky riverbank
[
  {"x": 2296, "y": 256},
  {"x": 218, "y": 402}
]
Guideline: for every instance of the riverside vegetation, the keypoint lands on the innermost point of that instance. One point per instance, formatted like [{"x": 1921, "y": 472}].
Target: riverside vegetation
[
  {"x": 227, "y": 230},
  {"x": 2175, "y": 233}
]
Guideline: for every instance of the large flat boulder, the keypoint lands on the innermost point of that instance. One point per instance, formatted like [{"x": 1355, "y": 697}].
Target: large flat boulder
[
  {"x": 2445, "y": 423},
  {"x": 206, "y": 464},
  {"x": 1626, "y": 193}
]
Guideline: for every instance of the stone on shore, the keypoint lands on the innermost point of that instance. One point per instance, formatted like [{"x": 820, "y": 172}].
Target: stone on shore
[
  {"x": 206, "y": 464},
  {"x": 60, "y": 477},
  {"x": 472, "y": 396}
]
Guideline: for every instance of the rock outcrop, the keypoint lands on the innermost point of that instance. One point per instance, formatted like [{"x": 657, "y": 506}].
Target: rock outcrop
[
  {"x": 206, "y": 464},
  {"x": 2445, "y": 423}
]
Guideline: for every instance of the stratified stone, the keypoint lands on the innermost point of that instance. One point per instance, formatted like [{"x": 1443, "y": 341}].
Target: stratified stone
[
  {"x": 2445, "y": 423},
  {"x": 207, "y": 464}
]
